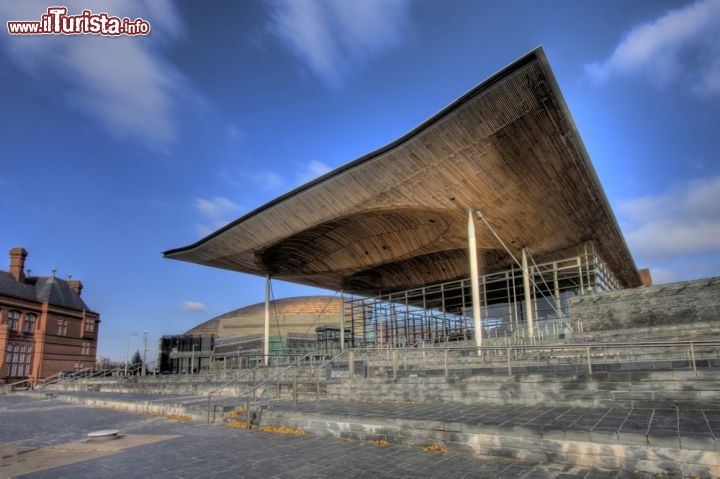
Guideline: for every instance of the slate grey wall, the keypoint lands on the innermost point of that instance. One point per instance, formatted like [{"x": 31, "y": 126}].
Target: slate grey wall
[{"x": 673, "y": 304}]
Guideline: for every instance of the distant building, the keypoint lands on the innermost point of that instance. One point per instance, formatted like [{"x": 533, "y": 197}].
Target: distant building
[
  {"x": 297, "y": 325},
  {"x": 45, "y": 327}
]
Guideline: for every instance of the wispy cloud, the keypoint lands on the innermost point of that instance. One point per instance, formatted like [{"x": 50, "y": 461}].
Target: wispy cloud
[
  {"x": 312, "y": 170},
  {"x": 125, "y": 82},
  {"x": 193, "y": 306},
  {"x": 334, "y": 38},
  {"x": 215, "y": 213},
  {"x": 271, "y": 181},
  {"x": 673, "y": 230},
  {"x": 235, "y": 134},
  {"x": 682, "y": 45}
]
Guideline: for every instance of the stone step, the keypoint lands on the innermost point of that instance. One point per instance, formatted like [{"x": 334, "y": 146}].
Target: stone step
[{"x": 672, "y": 439}]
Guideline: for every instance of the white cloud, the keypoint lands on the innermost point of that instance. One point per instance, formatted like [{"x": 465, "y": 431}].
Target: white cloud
[
  {"x": 265, "y": 180},
  {"x": 215, "y": 212},
  {"x": 122, "y": 81},
  {"x": 215, "y": 207},
  {"x": 333, "y": 38},
  {"x": 675, "y": 228},
  {"x": 312, "y": 170},
  {"x": 235, "y": 134},
  {"x": 193, "y": 306},
  {"x": 682, "y": 45}
]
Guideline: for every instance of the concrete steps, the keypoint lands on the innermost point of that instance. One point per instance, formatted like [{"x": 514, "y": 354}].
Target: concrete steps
[{"x": 659, "y": 441}]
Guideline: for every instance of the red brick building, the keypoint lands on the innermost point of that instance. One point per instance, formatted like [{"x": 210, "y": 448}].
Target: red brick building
[{"x": 45, "y": 327}]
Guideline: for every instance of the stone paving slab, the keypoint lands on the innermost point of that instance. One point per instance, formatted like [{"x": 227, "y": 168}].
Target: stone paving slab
[
  {"x": 695, "y": 428},
  {"x": 192, "y": 450},
  {"x": 625, "y": 425}
]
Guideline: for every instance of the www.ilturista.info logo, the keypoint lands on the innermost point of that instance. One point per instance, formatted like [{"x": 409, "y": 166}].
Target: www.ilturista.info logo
[{"x": 57, "y": 22}]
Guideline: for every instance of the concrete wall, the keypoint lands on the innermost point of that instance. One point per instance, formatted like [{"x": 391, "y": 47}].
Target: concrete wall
[{"x": 676, "y": 304}]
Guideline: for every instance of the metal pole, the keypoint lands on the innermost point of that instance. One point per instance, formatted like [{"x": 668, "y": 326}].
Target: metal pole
[
  {"x": 192, "y": 359},
  {"x": 446, "y": 363},
  {"x": 395, "y": 363},
  {"x": 692, "y": 355},
  {"x": 342, "y": 322},
  {"x": 145, "y": 336},
  {"x": 474, "y": 282},
  {"x": 509, "y": 362},
  {"x": 587, "y": 350},
  {"x": 528, "y": 299},
  {"x": 266, "y": 346},
  {"x": 351, "y": 364}
]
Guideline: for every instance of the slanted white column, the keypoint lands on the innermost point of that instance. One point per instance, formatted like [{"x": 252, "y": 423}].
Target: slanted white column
[
  {"x": 474, "y": 280},
  {"x": 266, "y": 346},
  {"x": 342, "y": 321},
  {"x": 528, "y": 295}
]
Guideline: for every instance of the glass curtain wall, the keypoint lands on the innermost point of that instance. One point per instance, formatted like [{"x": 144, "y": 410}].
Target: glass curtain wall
[{"x": 442, "y": 313}]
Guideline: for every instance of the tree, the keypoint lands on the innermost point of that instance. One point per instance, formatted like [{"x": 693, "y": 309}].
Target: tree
[{"x": 136, "y": 363}]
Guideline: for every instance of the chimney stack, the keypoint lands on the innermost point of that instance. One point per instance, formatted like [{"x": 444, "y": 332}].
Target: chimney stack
[
  {"x": 76, "y": 286},
  {"x": 17, "y": 263}
]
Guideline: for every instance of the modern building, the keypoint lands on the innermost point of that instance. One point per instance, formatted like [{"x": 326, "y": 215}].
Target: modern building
[
  {"x": 45, "y": 326},
  {"x": 235, "y": 339},
  {"x": 483, "y": 221}
]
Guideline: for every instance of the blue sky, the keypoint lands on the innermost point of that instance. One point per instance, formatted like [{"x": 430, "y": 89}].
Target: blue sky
[{"x": 114, "y": 150}]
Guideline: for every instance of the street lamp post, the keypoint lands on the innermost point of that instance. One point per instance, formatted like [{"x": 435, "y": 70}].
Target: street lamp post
[
  {"x": 127, "y": 352},
  {"x": 145, "y": 337}
]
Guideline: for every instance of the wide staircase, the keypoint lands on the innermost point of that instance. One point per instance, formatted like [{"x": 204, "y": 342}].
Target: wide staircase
[{"x": 649, "y": 407}]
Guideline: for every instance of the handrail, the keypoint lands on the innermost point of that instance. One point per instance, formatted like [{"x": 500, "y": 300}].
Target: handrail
[
  {"x": 232, "y": 381},
  {"x": 11, "y": 387},
  {"x": 334, "y": 358},
  {"x": 557, "y": 346},
  {"x": 49, "y": 380},
  {"x": 280, "y": 372},
  {"x": 585, "y": 349},
  {"x": 245, "y": 393}
]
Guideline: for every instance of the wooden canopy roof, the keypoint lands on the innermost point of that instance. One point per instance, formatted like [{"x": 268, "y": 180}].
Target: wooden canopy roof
[{"x": 396, "y": 218}]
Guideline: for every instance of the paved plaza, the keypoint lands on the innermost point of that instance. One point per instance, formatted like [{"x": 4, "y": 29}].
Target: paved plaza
[{"x": 47, "y": 439}]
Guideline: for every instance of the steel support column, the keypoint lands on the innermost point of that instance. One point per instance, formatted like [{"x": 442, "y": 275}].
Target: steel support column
[
  {"x": 342, "y": 322},
  {"x": 528, "y": 298},
  {"x": 474, "y": 280},
  {"x": 266, "y": 338}
]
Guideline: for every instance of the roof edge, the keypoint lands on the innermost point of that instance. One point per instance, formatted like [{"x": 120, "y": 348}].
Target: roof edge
[{"x": 537, "y": 54}]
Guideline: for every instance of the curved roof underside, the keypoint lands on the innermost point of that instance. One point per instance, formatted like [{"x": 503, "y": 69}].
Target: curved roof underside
[{"x": 396, "y": 218}]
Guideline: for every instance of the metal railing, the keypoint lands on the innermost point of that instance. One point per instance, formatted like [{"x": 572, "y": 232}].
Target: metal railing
[
  {"x": 256, "y": 386},
  {"x": 11, "y": 387},
  {"x": 586, "y": 355}
]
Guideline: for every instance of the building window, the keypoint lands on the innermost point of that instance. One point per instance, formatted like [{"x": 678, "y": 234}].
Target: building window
[
  {"x": 13, "y": 320},
  {"x": 89, "y": 325},
  {"x": 17, "y": 360},
  {"x": 62, "y": 327},
  {"x": 85, "y": 348},
  {"x": 29, "y": 323}
]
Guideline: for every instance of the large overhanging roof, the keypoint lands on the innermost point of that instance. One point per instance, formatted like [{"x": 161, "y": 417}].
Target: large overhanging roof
[{"x": 396, "y": 218}]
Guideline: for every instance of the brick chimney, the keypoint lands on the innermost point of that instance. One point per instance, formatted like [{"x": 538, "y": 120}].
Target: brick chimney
[
  {"x": 17, "y": 263},
  {"x": 645, "y": 277},
  {"x": 76, "y": 286}
]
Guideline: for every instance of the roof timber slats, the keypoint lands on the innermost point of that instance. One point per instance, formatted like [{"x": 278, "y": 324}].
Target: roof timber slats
[{"x": 508, "y": 148}]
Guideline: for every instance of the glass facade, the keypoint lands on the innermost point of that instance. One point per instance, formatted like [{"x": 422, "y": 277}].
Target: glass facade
[{"x": 442, "y": 313}]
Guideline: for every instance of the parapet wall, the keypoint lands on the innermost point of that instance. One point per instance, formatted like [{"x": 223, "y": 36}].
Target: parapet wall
[{"x": 676, "y": 304}]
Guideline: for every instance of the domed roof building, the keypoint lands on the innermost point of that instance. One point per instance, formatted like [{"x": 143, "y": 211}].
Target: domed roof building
[{"x": 235, "y": 338}]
